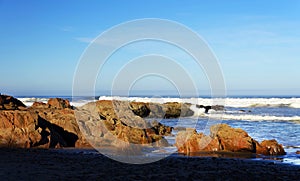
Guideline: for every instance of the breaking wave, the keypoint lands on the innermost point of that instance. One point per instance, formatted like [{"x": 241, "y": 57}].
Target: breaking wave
[{"x": 228, "y": 102}]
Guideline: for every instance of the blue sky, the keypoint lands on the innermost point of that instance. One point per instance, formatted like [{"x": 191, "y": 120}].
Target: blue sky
[{"x": 257, "y": 43}]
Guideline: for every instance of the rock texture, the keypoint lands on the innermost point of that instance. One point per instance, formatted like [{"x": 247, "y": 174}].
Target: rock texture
[
  {"x": 10, "y": 103},
  {"x": 43, "y": 125},
  {"x": 166, "y": 110},
  {"x": 225, "y": 138},
  {"x": 55, "y": 124},
  {"x": 117, "y": 124}
]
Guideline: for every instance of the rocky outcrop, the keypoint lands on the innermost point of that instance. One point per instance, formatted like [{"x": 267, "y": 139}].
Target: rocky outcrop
[
  {"x": 207, "y": 108},
  {"x": 10, "y": 103},
  {"x": 55, "y": 124},
  {"x": 42, "y": 125},
  {"x": 269, "y": 147},
  {"x": 232, "y": 139},
  {"x": 59, "y": 103},
  {"x": 117, "y": 123},
  {"x": 166, "y": 110},
  {"x": 17, "y": 129},
  {"x": 225, "y": 138}
]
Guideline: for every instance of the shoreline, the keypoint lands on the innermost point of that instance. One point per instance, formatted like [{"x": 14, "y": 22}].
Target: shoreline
[{"x": 47, "y": 164}]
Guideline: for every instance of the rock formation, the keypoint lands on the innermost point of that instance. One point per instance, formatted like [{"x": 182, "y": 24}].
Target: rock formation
[
  {"x": 10, "y": 103},
  {"x": 225, "y": 138},
  {"x": 166, "y": 110},
  {"x": 55, "y": 124},
  {"x": 116, "y": 122}
]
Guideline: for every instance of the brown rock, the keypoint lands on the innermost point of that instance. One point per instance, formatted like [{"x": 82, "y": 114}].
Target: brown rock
[
  {"x": 121, "y": 124},
  {"x": 39, "y": 105},
  {"x": 190, "y": 141},
  {"x": 224, "y": 138},
  {"x": 59, "y": 103},
  {"x": 17, "y": 129},
  {"x": 232, "y": 139},
  {"x": 270, "y": 147},
  {"x": 10, "y": 103},
  {"x": 298, "y": 152}
]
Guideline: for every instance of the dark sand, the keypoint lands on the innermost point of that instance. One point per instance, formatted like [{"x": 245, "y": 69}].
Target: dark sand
[{"x": 39, "y": 164}]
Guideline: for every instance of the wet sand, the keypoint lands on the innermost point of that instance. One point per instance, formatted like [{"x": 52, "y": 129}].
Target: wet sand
[{"x": 39, "y": 164}]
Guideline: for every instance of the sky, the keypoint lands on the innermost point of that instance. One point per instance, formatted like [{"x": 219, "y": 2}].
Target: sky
[{"x": 256, "y": 43}]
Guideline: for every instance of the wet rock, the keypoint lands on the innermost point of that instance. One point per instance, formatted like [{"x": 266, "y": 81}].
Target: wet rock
[
  {"x": 224, "y": 138},
  {"x": 190, "y": 141},
  {"x": 214, "y": 107},
  {"x": 232, "y": 139},
  {"x": 270, "y": 147},
  {"x": 298, "y": 152}
]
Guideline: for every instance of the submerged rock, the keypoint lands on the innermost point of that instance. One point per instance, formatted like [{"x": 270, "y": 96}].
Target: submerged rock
[{"x": 225, "y": 138}]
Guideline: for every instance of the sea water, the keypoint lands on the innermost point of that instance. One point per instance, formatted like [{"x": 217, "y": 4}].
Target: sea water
[{"x": 261, "y": 117}]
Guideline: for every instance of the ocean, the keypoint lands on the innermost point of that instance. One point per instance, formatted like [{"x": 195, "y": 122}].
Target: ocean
[{"x": 263, "y": 117}]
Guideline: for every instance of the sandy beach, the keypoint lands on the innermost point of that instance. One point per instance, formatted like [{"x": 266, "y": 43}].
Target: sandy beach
[{"x": 42, "y": 164}]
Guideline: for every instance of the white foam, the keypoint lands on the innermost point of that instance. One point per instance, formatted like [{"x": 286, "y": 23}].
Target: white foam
[
  {"x": 249, "y": 117},
  {"x": 28, "y": 101},
  {"x": 229, "y": 102}
]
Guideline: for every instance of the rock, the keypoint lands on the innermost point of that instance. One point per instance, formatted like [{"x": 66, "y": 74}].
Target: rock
[
  {"x": 190, "y": 142},
  {"x": 59, "y": 103},
  {"x": 214, "y": 107},
  {"x": 140, "y": 109},
  {"x": 17, "y": 129},
  {"x": 270, "y": 147},
  {"x": 224, "y": 138},
  {"x": 233, "y": 139},
  {"x": 10, "y": 103},
  {"x": 40, "y": 105},
  {"x": 298, "y": 152},
  {"x": 119, "y": 124}
]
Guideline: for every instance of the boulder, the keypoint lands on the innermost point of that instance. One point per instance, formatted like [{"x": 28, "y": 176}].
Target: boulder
[
  {"x": 232, "y": 139},
  {"x": 59, "y": 103},
  {"x": 270, "y": 147},
  {"x": 17, "y": 129},
  {"x": 190, "y": 141},
  {"x": 119, "y": 123},
  {"x": 39, "y": 105},
  {"x": 224, "y": 138},
  {"x": 10, "y": 103},
  {"x": 140, "y": 109}
]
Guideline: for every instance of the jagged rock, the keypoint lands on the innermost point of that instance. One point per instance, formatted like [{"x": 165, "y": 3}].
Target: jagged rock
[
  {"x": 214, "y": 107},
  {"x": 121, "y": 124},
  {"x": 40, "y": 105},
  {"x": 10, "y": 103},
  {"x": 232, "y": 139},
  {"x": 166, "y": 110},
  {"x": 17, "y": 129},
  {"x": 190, "y": 141},
  {"x": 269, "y": 147},
  {"x": 140, "y": 109},
  {"x": 59, "y": 103}
]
